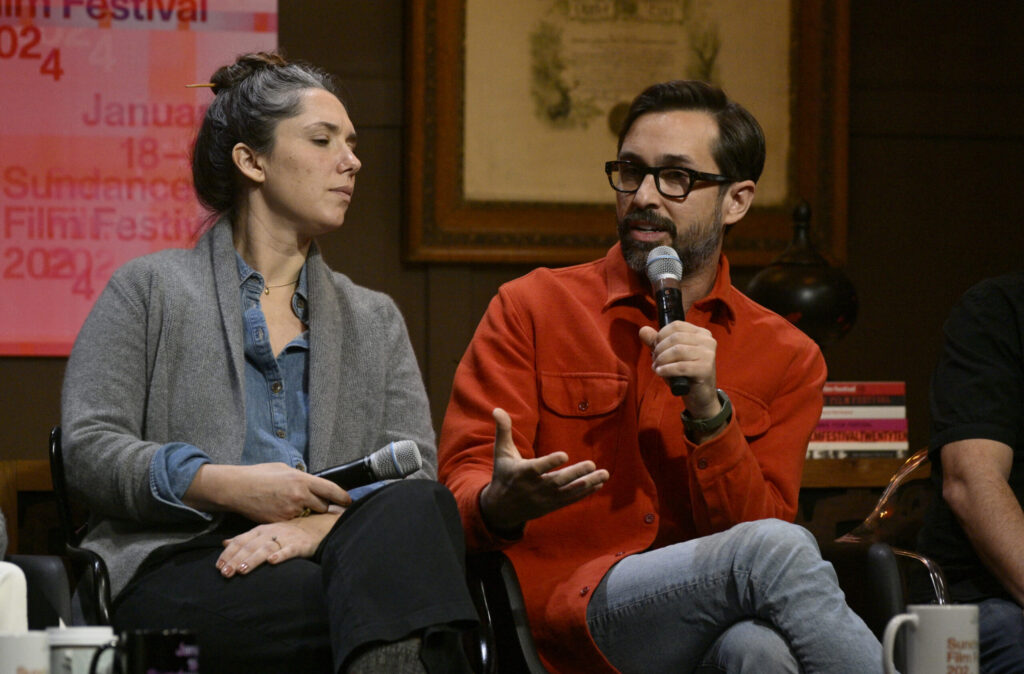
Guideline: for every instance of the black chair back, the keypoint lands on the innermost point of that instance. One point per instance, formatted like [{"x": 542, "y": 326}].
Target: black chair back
[
  {"x": 93, "y": 587},
  {"x": 60, "y": 489}
]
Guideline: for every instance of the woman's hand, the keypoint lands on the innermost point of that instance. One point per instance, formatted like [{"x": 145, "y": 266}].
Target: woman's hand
[
  {"x": 265, "y": 492},
  {"x": 275, "y": 543}
]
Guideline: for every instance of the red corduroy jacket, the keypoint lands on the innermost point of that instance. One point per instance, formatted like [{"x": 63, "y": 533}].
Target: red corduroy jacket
[{"x": 559, "y": 350}]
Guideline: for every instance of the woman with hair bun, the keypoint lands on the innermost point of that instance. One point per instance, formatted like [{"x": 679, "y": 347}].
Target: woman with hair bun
[{"x": 208, "y": 384}]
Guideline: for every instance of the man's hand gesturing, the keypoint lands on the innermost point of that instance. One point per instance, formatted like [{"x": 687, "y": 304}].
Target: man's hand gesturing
[{"x": 522, "y": 489}]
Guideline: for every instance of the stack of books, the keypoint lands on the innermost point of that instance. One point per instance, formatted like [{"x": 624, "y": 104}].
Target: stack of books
[{"x": 861, "y": 419}]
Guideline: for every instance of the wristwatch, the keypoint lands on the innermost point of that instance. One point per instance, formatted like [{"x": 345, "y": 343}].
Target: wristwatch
[{"x": 700, "y": 427}]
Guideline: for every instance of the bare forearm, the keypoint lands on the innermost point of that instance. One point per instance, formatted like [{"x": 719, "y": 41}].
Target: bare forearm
[{"x": 993, "y": 520}]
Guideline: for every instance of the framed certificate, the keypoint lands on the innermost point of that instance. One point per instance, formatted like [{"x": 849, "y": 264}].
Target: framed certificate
[{"x": 513, "y": 108}]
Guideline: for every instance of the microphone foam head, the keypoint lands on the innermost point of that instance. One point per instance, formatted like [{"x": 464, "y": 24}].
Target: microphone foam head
[
  {"x": 663, "y": 262},
  {"x": 396, "y": 460}
]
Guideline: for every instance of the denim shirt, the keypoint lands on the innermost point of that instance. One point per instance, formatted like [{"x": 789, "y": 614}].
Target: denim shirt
[{"x": 276, "y": 399}]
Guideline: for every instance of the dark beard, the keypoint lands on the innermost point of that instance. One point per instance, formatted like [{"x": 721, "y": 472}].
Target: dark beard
[{"x": 696, "y": 247}]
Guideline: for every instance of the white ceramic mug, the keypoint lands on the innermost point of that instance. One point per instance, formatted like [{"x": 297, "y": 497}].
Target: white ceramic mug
[
  {"x": 71, "y": 648},
  {"x": 941, "y": 639},
  {"x": 27, "y": 652}
]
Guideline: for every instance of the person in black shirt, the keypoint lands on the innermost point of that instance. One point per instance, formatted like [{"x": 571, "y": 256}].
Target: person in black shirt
[{"x": 976, "y": 529}]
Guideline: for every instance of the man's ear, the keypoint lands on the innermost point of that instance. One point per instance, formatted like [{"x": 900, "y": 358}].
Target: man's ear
[
  {"x": 248, "y": 162},
  {"x": 737, "y": 201}
]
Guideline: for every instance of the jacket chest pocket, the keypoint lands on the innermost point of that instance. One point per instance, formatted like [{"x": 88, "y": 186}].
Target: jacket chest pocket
[
  {"x": 582, "y": 394},
  {"x": 751, "y": 413}
]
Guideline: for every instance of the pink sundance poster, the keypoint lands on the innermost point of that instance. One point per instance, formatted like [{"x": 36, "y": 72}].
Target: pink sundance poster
[{"x": 95, "y": 127}]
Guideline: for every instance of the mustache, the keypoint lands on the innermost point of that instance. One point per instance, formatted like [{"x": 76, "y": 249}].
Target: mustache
[{"x": 650, "y": 218}]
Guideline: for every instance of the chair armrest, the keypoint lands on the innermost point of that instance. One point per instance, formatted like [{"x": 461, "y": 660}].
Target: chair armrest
[{"x": 93, "y": 588}]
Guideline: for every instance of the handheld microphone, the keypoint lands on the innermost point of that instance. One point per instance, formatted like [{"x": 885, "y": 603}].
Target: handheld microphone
[
  {"x": 392, "y": 461},
  {"x": 665, "y": 271}
]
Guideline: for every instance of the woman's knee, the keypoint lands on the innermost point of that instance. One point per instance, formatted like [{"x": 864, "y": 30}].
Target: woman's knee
[
  {"x": 416, "y": 492},
  {"x": 405, "y": 509}
]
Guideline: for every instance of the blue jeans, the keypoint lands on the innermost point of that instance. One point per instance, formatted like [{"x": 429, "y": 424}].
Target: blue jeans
[
  {"x": 755, "y": 598},
  {"x": 1001, "y": 632}
]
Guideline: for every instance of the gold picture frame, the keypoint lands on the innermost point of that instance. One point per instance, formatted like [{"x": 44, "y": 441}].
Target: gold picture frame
[{"x": 442, "y": 225}]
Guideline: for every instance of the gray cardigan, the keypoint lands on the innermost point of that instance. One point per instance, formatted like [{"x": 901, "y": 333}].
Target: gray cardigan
[{"x": 160, "y": 359}]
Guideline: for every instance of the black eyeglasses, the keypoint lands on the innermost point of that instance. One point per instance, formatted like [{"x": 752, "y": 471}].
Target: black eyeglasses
[{"x": 674, "y": 182}]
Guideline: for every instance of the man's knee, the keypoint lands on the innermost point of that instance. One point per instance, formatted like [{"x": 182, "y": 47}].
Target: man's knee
[
  {"x": 782, "y": 560},
  {"x": 778, "y": 532},
  {"x": 774, "y": 542},
  {"x": 749, "y": 646}
]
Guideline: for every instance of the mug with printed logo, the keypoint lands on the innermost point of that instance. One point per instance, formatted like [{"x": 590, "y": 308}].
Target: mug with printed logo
[{"x": 940, "y": 638}]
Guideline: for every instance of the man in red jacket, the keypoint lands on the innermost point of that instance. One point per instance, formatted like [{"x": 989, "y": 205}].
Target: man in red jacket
[{"x": 646, "y": 528}]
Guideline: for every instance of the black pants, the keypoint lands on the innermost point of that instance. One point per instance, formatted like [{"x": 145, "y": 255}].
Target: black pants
[{"x": 392, "y": 565}]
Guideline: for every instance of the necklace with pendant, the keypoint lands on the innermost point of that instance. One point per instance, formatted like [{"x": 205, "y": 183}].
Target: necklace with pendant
[{"x": 266, "y": 288}]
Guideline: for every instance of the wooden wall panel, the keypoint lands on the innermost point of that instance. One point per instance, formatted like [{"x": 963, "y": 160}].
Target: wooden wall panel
[{"x": 935, "y": 141}]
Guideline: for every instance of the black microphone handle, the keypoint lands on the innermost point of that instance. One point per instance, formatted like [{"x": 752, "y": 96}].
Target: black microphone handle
[
  {"x": 670, "y": 305},
  {"x": 351, "y": 475},
  {"x": 670, "y": 308}
]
